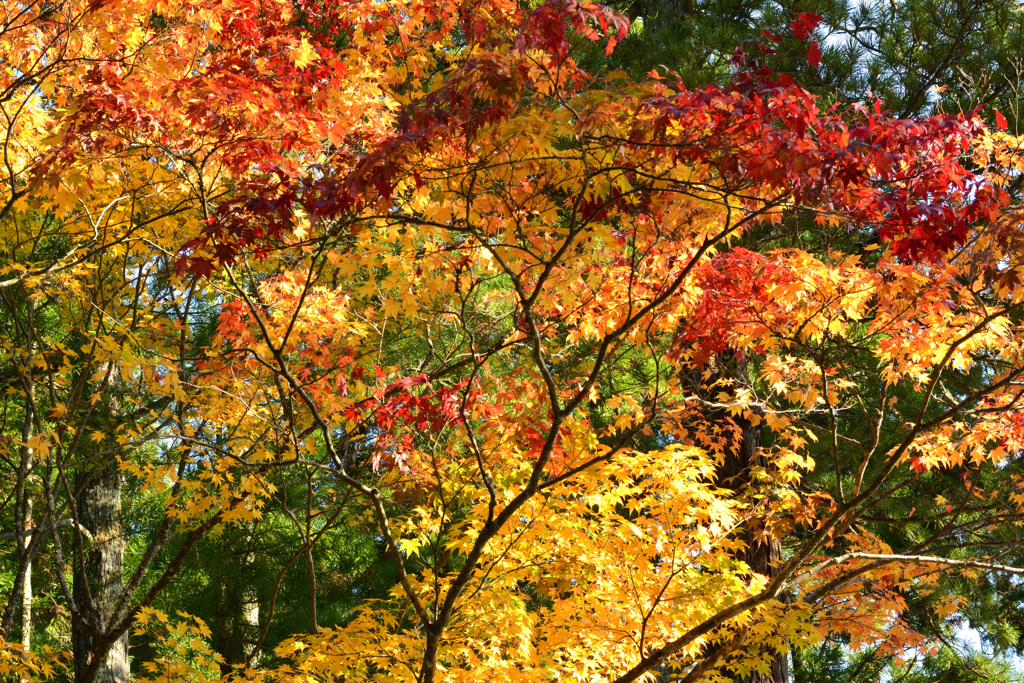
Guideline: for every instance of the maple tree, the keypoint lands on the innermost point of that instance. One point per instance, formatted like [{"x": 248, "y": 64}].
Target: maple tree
[
  {"x": 918, "y": 57},
  {"x": 124, "y": 122},
  {"x": 409, "y": 271}
]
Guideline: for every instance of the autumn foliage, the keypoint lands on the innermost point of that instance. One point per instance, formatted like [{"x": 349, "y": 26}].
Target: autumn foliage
[{"x": 509, "y": 319}]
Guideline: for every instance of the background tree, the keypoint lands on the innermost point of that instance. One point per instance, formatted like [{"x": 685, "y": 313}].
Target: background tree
[{"x": 917, "y": 57}]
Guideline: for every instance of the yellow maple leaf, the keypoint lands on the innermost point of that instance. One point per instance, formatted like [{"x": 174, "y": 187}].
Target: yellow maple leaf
[{"x": 304, "y": 54}]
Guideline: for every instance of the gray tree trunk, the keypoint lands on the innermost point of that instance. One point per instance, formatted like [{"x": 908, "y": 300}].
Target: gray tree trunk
[{"x": 98, "y": 587}]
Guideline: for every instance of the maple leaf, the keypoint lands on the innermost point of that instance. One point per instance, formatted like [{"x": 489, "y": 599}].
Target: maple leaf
[
  {"x": 804, "y": 24},
  {"x": 304, "y": 53},
  {"x": 814, "y": 55}
]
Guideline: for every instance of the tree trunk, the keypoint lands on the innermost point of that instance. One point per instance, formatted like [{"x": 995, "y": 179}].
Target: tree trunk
[
  {"x": 762, "y": 557},
  {"x": 97, "y": 589},
  {"x": 26, "y": 586},
  {"x": 23, "y": 506},
  {"x": 251, "y": 622},
  {"x": 22, "y": 503},
  {"x": 223, "y": 641}
]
